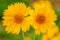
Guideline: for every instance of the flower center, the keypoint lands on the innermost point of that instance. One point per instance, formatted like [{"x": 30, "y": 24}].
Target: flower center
[
  {"x": 40, "y": 19},
  {"x": 56, "y": 34},
  {"x": 48, "y": 39},
  {"x": 18, "y": 18}
]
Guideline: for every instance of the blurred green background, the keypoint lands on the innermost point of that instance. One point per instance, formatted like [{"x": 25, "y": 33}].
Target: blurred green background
[{"x": 4, "y": 5}]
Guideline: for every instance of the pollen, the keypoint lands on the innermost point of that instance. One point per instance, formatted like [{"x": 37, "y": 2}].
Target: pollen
[
  {"x": 40, "y": 19},
  {"x": 18, "y": 18},
  {"x": 48, "y": 39}
]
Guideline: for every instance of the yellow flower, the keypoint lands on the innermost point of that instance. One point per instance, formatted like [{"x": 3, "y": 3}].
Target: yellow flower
[
  {"x": 57, "y": 37},
  {"x": 27, "y": 38},
  {"x": 53, "y": 31},
  {"x": 46, "y": 4},
  {"x": 32, "y": 1},
  {"x": 42, "y": 18},
  {"x": 52, "y": 34},
  {"x": 46, "y": 37},
  {"x": 15, "y": 18}
]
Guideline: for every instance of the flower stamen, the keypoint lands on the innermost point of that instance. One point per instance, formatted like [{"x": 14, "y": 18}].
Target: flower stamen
[
  {"x": 40, "y": 19},
  {"x": 18, "y": 18}
]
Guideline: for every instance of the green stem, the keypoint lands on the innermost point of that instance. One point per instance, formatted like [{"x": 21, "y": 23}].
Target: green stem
[
  {"x": 23, "y": 35},
  {"x": 34, "y": 37}
]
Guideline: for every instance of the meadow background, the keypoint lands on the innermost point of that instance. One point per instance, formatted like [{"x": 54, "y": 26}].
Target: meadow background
[{"x": 4, "y": 5}]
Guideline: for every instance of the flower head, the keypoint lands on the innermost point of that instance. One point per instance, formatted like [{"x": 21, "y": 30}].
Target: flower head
[
  {"x": 53, "y": 31},
  {"x": 57, "y": 37},
  {"x": 15, "y": 18},
  {"x": 46, "y": 4},
  {"x": 46, "y": 37},
  {"x": 52, "y": 34},
  {"x": 42, "y": 18}
]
